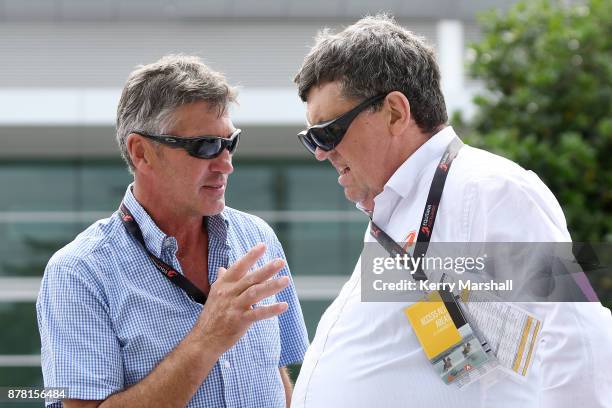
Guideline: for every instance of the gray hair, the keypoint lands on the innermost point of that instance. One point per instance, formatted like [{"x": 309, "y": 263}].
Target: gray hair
[
  {"x": 154, "y": 91},
  {"x": 377, "y": 56}
]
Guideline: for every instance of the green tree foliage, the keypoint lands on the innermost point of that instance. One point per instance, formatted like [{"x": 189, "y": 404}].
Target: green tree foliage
[{"x": 547, "y": 69}]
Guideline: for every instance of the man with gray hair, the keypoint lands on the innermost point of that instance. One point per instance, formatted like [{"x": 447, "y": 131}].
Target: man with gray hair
[
  {"x": 376, "y": 112},
  {"x": 175, "y": 300}
]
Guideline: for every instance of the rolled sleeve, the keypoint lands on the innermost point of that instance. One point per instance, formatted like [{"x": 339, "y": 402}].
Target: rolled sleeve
[{"x": 79, "y": 348}]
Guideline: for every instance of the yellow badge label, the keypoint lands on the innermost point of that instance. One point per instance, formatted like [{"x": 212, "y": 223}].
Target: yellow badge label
[{"x": 433, "y": 325}]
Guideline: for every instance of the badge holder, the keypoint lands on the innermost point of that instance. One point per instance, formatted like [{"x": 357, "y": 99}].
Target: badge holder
[
  {"x": 510, "y": 333},
  {"x": 448, "y": 340}
]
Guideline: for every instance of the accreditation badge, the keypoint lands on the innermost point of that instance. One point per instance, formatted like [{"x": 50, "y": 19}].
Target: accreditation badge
[
  {"x": 511, "y": 331},
  {"x": 447, "y": 338}
]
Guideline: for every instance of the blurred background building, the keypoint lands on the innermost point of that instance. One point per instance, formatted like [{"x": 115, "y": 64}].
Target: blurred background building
[{"x": 62, "y": 66}]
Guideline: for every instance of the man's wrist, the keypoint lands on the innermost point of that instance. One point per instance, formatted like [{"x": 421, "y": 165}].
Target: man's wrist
[{"x": 207, "y": 343}]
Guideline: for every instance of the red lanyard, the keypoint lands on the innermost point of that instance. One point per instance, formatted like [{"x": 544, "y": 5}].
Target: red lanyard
[{"x": 169, "y": 272}]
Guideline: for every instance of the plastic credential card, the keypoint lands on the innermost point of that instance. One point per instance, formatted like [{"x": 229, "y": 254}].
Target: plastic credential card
[
  {"x": 511, "y": 332},
  {"x": 508, "y": 332},
  {"x": 447, "y": 339}
]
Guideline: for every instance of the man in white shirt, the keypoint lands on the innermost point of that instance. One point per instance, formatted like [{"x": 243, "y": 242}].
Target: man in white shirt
[{"x": 376, "y": 113}]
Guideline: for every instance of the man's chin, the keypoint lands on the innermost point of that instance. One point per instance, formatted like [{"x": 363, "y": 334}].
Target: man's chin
[
  {"x": 359, "y": 198},
  {"x": 213, "y": 208},
  {"x": 351, "y": 196},
  {"x": 367, "y": 204}
]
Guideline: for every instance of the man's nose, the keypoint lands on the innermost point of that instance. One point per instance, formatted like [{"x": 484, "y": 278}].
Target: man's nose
[
  {"x": 223, "y": 163},
  {"x": 321, "y": 154}
]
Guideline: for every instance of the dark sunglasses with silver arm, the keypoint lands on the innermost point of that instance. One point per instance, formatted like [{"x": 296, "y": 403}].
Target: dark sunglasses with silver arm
[{"x": 203, "y": 147}]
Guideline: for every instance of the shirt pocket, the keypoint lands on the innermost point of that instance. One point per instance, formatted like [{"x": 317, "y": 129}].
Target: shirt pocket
[{"x": 264, "y": 338}]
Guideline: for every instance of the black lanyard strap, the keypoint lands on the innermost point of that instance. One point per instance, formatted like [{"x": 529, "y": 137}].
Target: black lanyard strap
[
  {"x": 168, "y": 271},
  {"x": 429, "y": 213}
]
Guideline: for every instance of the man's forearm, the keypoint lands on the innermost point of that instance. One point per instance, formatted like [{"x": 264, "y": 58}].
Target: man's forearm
[
  {"x": 171, "y": 384},
  {"x": 174, "y": 381}
]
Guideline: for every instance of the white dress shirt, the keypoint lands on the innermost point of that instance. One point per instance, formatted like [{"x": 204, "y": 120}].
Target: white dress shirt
[{"x": 367, "y": 355}]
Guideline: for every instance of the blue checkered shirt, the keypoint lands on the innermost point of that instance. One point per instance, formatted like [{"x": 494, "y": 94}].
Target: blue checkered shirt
[{"x": 107, "y": 316}]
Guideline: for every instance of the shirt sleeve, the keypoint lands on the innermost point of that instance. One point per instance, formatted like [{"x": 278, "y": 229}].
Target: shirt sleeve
[
  {"x": 574, "y": 352},
  {"x": 79, "y": 348},
  {"x": 293, "y": 335}
]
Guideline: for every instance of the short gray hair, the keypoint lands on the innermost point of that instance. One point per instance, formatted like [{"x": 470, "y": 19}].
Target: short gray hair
[
  {"x": 154, "y": 91},
  {"x": 377, "y": 56}
]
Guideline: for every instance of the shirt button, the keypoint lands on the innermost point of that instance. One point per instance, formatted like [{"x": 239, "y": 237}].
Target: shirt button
[{"x": 226, "y": 364}]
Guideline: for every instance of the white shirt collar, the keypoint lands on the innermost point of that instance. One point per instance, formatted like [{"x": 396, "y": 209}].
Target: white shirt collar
[
  {"x": 411, "y": 169},
  {"x": 406, "y": 175}
]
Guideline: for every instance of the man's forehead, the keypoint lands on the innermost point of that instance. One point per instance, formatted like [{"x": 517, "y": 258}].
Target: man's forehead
[
  {"x": 199, "y": 119},
  {"x": 325, "y": 102}
]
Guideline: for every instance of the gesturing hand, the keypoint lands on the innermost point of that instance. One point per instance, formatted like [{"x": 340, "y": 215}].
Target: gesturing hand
[{"x": 228, "y": 312}]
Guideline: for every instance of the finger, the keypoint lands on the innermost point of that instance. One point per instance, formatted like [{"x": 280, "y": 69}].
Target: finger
[
  {"x": 241, "y": 266},
  {"x": 266, "y": 312},
  {"x": 260, "y": 275},
  {"x": 263, "y": 290}
]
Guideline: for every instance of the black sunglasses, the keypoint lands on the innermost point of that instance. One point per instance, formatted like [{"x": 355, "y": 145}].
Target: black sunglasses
[
  {"x": 327, "y": 135},
  {"x": 203, "y": 147}
]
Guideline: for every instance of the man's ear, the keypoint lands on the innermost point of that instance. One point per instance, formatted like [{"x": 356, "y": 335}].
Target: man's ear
[
  {"x": 140, "y": 152},
  {"x": 399, "y": 112}
]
